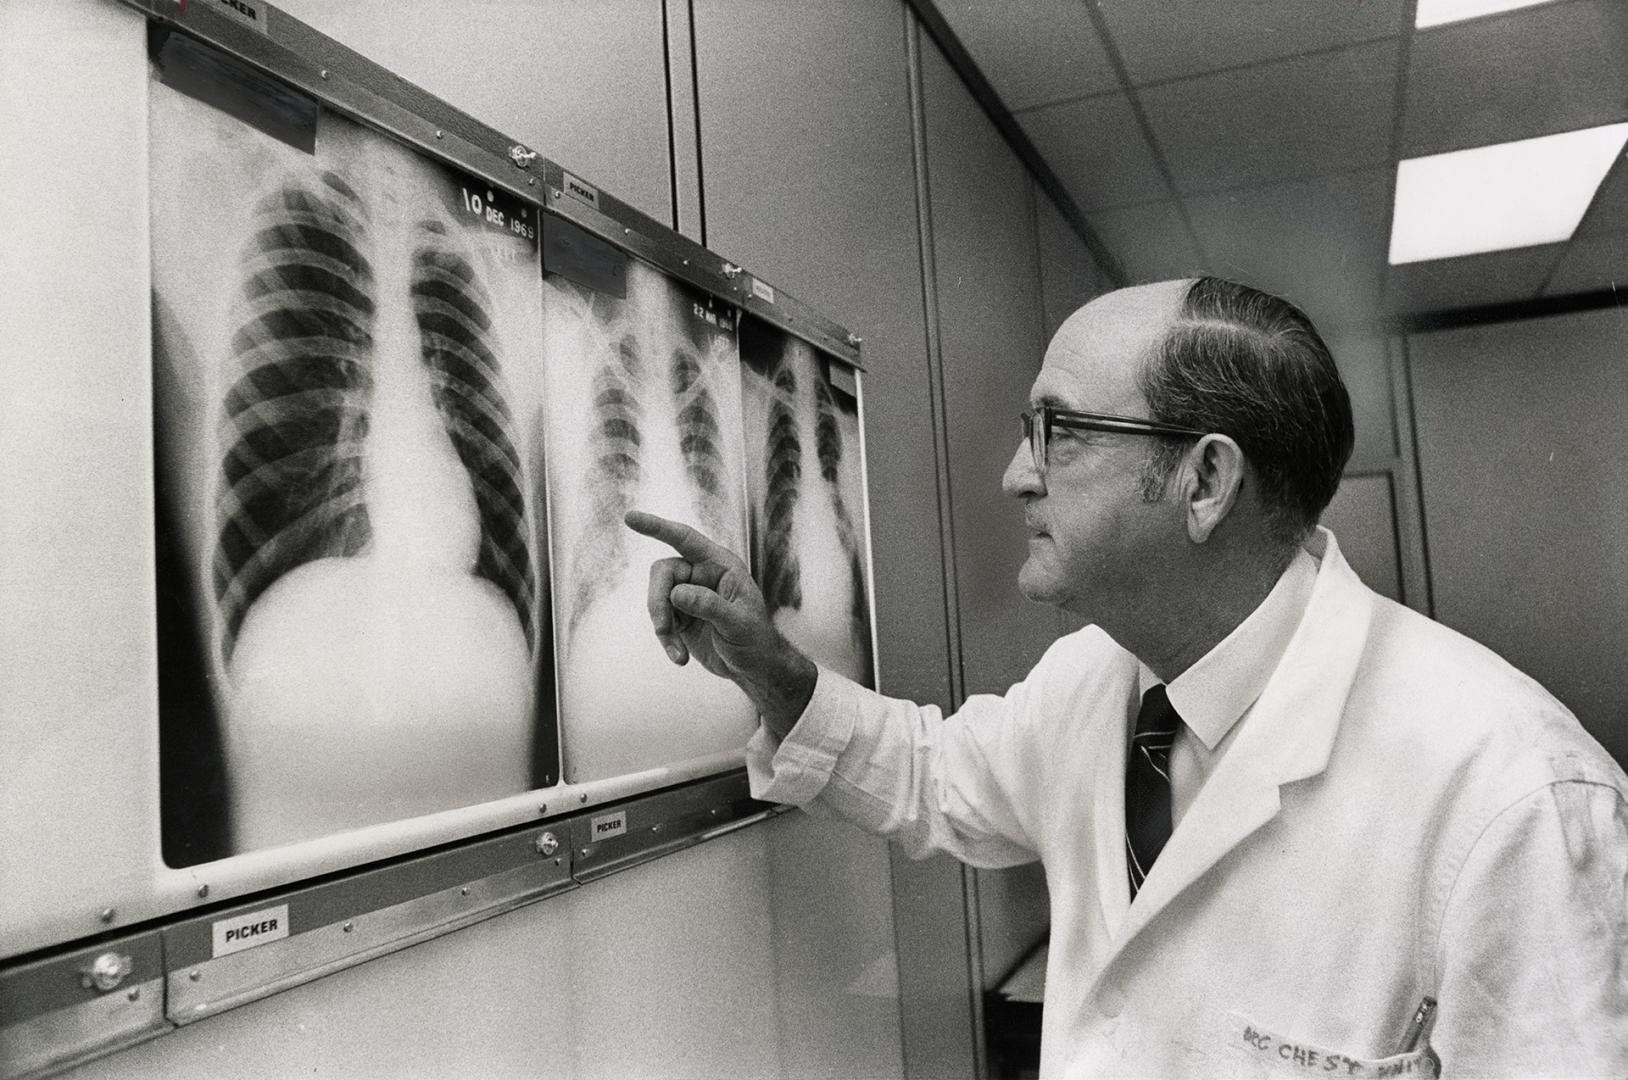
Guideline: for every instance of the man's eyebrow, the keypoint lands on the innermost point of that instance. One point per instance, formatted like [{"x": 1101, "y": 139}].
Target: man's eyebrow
[{"x": 1048, "y": 398}]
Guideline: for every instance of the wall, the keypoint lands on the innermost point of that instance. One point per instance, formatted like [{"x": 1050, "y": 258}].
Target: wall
[
  {"x": 535, "y": 70},
  {"x": 806, "y": 154},
  {"x": 1014, "y": 905},
  {"x": 663, "y": 971},
  {"x": 829, "y": 148},
  {"x": 987, "y": 288},
  {"x": 1521, "y": 462},
  {"x": 810, "y": 176},
  {"x": 989, "y": 314},
  {"x": 1375, "y": 513}
]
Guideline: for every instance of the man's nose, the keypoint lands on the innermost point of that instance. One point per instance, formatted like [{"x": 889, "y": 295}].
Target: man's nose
[{"x": 1022, "y": 478}]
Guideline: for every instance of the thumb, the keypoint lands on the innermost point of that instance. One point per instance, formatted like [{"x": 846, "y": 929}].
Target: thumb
[{"x": 705, "y": 604}]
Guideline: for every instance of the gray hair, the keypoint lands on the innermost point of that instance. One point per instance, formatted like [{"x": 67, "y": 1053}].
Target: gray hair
[{"x": 1250, "y": 365}]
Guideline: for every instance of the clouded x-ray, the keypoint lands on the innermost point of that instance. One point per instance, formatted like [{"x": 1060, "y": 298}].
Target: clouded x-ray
[
  {"x": 806, "y": 486},
  {"x": 644, "y": 411},
  {"x": 353, "y": 595}
]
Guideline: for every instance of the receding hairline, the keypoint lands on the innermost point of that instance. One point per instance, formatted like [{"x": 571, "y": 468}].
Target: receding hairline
[
  {"x": 1156, "y": 307},
  {"x": 1185, "y": 318}
]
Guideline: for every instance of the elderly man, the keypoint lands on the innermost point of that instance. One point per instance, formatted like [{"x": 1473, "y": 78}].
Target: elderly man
[{"x": 1289, "y": 826}]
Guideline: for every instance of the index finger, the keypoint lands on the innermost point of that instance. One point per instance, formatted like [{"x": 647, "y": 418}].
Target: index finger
[{"x": 690, "y": 543}]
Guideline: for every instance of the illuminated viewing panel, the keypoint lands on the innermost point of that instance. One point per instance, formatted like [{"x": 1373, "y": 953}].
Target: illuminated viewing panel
[
  {"x": 644, "y": 409},
  {"x": 1508, "y": 195},
  {"x": 349, "y": 473},
  {"x": 807, "y": 495}
]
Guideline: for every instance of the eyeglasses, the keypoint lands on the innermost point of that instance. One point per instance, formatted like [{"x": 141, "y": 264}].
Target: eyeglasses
[{"x": 1038, "y": 424}]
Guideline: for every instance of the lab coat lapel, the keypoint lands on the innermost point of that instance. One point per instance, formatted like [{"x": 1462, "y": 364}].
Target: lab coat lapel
[
  {"x": 1109, "y": 814},
  {"x": 1287, "y": 736}
]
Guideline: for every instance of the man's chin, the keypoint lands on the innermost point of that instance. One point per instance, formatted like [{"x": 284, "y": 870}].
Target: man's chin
[{"x": 1035, "y": 584}]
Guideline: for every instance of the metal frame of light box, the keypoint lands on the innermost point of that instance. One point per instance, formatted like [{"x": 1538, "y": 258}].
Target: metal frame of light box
[{"x": 81, "y": 999}]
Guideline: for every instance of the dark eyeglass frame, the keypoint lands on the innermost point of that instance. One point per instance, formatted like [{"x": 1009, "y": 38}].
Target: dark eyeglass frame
[{"x": 1038, "y": 436}]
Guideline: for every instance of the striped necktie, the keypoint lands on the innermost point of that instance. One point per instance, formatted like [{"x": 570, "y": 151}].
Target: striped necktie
[{"x": 1147, "y": 785}]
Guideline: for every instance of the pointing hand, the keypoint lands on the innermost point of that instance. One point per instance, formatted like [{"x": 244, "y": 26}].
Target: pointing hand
[{"x": 704, "y": 603}]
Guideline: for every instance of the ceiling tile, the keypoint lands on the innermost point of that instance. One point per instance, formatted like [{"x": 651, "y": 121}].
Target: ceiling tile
[
  {"x": 1033, "y": 52},
  {"x": 1530, "y": 72},
  {"x": 1592, "y": 264},
  {"x": 1609, "y": 211},
  {"x": 1097, "y": 149},
  {"x": 1277, "y": 121},
  {"x": 1151, "y": 241},
  {"x": 1498, "y": 277},
  {"x": 1175, "y": 38},
  {"x": 1319, "y": 242}
]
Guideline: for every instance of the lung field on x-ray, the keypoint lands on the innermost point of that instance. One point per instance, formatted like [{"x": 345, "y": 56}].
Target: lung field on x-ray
[
  {"x": 295, "y": 418},
  {"x": 656, "y": 433},
  {"x": 701, "y": 441},
  {"x": 783, "y": 477},
  {"x": 802, "y": 440},
  {"x": 829, "y": 449},
  {"x": 599, "y": 555},
  {"x": 450, "y": 307},
  {"x": 295, "y": 424}
]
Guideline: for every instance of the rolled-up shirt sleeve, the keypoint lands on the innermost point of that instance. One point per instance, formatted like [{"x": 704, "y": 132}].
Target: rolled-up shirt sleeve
[
  {"x": 1533, "y": 954},
  {"x": 903, "y": 770}
]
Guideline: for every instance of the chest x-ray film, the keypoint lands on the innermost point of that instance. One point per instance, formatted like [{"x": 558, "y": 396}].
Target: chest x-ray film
[
  {"x": 349, "y": 461},
  {"x": 806, "y": 483},
  {"x": 644, "y": 408}
]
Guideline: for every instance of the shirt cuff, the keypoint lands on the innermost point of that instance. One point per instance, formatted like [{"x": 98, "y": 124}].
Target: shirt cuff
[{"x": 796, "y": 769}]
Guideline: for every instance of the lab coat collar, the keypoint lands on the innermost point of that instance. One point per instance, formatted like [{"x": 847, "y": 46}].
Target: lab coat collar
[
  {"x": 1216, "y": 691},
  {"x": 1288, "y": 737}
]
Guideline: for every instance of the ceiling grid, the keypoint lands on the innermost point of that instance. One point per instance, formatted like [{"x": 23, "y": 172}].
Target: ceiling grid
[
  {"x": 1145, "y": 129},
  {"x": 1260, "y": 138}
]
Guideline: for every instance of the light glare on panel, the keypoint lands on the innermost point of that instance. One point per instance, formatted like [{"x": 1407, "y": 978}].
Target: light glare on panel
[
  {"x": 1437, "y": 12},
  {"x": 1507, "y": 195}
]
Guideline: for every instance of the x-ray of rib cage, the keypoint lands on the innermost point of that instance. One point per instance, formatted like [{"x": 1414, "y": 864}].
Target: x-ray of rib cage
[
  {"x": 807, "y": 499},
  {"x": 353, "y": 599},
  {"x": 644, "y": 411}
]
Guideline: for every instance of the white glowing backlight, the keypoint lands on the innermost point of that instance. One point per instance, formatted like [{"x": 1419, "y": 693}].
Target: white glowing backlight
[
  {"x": 1437, "y": 12},
  {"x": 1507, "y": 195}
]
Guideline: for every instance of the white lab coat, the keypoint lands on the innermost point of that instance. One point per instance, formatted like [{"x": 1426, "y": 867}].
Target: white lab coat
[{"x": 1402, "y": 814}]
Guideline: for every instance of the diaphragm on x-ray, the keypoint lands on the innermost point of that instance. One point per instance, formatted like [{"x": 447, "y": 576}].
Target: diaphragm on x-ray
[
  {"x": 644, "y": 407},
  {"x": 806, "y": 489},
  {"x": 353, "y": 592}
]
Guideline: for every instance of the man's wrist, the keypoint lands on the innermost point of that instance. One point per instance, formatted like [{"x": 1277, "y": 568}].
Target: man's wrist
[{"x": 783, "y": 696}]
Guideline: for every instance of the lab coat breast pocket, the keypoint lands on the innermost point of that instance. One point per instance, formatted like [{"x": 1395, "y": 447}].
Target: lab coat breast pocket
[{"x": 1256, "y": 1050}]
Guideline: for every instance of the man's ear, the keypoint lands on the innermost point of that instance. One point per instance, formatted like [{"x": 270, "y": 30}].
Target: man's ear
[{"x": 1213, "y": 478}]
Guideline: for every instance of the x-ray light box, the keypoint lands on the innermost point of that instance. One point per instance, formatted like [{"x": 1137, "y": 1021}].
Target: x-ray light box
[{"x": 327, "y": 411}]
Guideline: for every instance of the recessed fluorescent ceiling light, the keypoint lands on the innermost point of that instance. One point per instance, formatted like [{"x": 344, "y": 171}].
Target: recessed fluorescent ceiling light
[
  {"x": 1507, "y": 195},
  {"x": 1436, "y": 12}
]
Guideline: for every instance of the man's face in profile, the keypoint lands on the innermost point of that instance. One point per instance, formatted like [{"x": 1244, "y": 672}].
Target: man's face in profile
[{"x": 1094, "y": 541}]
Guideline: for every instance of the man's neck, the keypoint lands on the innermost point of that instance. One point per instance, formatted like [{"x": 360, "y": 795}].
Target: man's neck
[{"x": 1177, "y": 630}]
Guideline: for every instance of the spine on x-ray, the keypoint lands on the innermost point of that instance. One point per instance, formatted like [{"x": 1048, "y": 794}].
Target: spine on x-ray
[
  {"x": 613, "y": 474},
  {"x": 295, "y": 413},
  {"x": 783, "y": 474},
  {"x": 700, "y": 440},
  {"x": 466, "y": 383}
]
